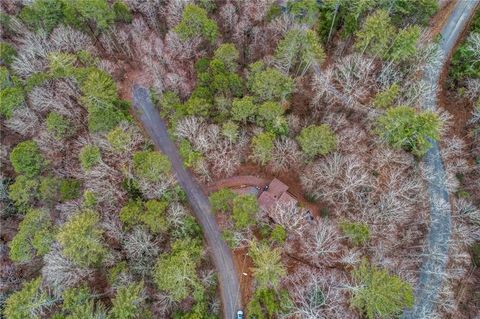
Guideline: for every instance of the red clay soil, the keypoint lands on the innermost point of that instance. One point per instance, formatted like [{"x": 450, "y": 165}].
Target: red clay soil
[
  {"x": 237, "y": 181},
  {"x": 131, "y": 76},
  {"x": 244, "y": 264},
  {"x": 438, "y": 21}
]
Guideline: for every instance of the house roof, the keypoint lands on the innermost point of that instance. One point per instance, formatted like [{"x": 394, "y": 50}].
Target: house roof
[
  {"x": 276, "y": 193},
  {"x": 276, "y": 188}
]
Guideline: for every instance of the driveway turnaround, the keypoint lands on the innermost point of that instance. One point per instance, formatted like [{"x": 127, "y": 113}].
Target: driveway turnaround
[{"x": 219, "y": 251}]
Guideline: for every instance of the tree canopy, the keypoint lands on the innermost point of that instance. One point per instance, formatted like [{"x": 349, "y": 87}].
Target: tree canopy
[
  {"x": 81, "y": 239},
  {"x": 298, "y": 50},
  {"x": 404, "y": 127},
  {"x": 317, "y": 140},
  {"x": 268, "y": 268},
  {"x": 245, "y": 208},
  {"x": 379, "y": 294},
  {"x": 195, "y": 22},
  {"x": 175, "y": 272},
  {"x": 270, "y": 84},
  {"x": 28, "y": 302},
  {"x": 221, "y": 200},
  {"x": 27, "y": 159},
  {"x": 151, "y": 165},
  {"x": 34, "y": 237}
]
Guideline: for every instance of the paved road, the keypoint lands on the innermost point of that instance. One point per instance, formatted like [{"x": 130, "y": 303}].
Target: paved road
[
  {"x": 436, "y": 251},
  {"x": 219, "y": 251}
]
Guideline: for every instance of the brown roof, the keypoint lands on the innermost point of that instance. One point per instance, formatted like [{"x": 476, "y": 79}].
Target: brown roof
[
  {"x": 277, "y": 188},
  {"x": 286, "y": 198},
  {"x": 277, "y": 192},
  {"x": 266, "y": 201}
]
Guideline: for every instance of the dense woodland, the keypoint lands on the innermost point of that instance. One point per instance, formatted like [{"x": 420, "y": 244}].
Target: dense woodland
[{"x": 326, "y": 95}]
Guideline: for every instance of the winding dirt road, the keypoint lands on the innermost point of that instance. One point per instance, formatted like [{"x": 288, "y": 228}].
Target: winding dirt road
[
  {"x": 219, "y": 251},
  {"x": 436, "y": 251}
]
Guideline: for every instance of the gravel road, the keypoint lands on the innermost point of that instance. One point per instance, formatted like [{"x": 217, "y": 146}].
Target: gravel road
[
  {"x": 436, "y": 251},
  {"x": 219, "y": 251}
]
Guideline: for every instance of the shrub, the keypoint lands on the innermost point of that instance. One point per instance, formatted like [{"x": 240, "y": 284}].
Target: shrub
[
  {"x": 49, "y": 188},
  {"x": 278, "y": 234},
  {"x": 303, "y": 10},
  {"x": 262, "y": 146},
  {"x": 154, "y": 216},
  {"x": 268, "y": 303},
  {"x": 28, "y": 302},
  {"x": 169, "y": 103},
  {"x": 177, "y": 281},
  {"x": 119, "y": 139},
  {"x": 82, "y": 14},
  {"x": 7, "y": 53},
  {"x": 69, "y": 189},
  {"x": 229, "y": 237},
  {"x": 89, "y": 156},
  {"x": 26, "y": 159},
  {"x": 23, "y": 191},
  {"x": 465, "y": 61},
  {"x": 357, "y": 232},
  {"x": 43, "y": 14},
  {"x": 189, "y": 156},
  {"x": 317, "y": 140},
  {"x": 122, "y": 12},
  {"x": 221, "y": 200},
  {"x": 89, "y": 199},
  {"x": 59, "y": 126},
  {"x": 244, "y": 210},
  {"x": 82, "y": 240},
  {"x": 127, "y": 302},
  {"x": 195, "y": 22},
  {"x": 196, "y": 106},
  {"x": 385, "y": 98},
  {"x": 403, "y": 127},
  {"x": 130, "y": 213},
  {"x": 78, "y": 302},
  {"x": 230, "y": 131},
  {"x": 151, "y": 165},
  {"x": 103, "y": 118},
  {"x": 379, "y": 294},
  {"x": 34, "y": 236},
  {"x": 62, "y": 64},
  {"x": 10, "y": 99}
]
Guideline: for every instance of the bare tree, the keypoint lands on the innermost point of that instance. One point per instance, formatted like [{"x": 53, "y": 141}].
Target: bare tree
[
  {"x": 141, "y": 250},
  {"x": 60, "y": 273},
  {"x": 337, "y": 179},
  {"x": 289, "y": 215},
  {"x": 65, "y": 38},
  {"x": 228, "y": 15},
  {"x": 285, "y": 155},
  {"x": 23, "y": 121}
]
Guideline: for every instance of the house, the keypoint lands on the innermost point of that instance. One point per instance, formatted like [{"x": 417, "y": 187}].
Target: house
[{"x": 275, "y": 193}]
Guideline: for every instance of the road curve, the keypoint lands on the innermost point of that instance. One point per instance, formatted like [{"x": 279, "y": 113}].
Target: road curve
[
  {"x": 436, "y": 251},
  {"x": 219, "y": 251}
]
